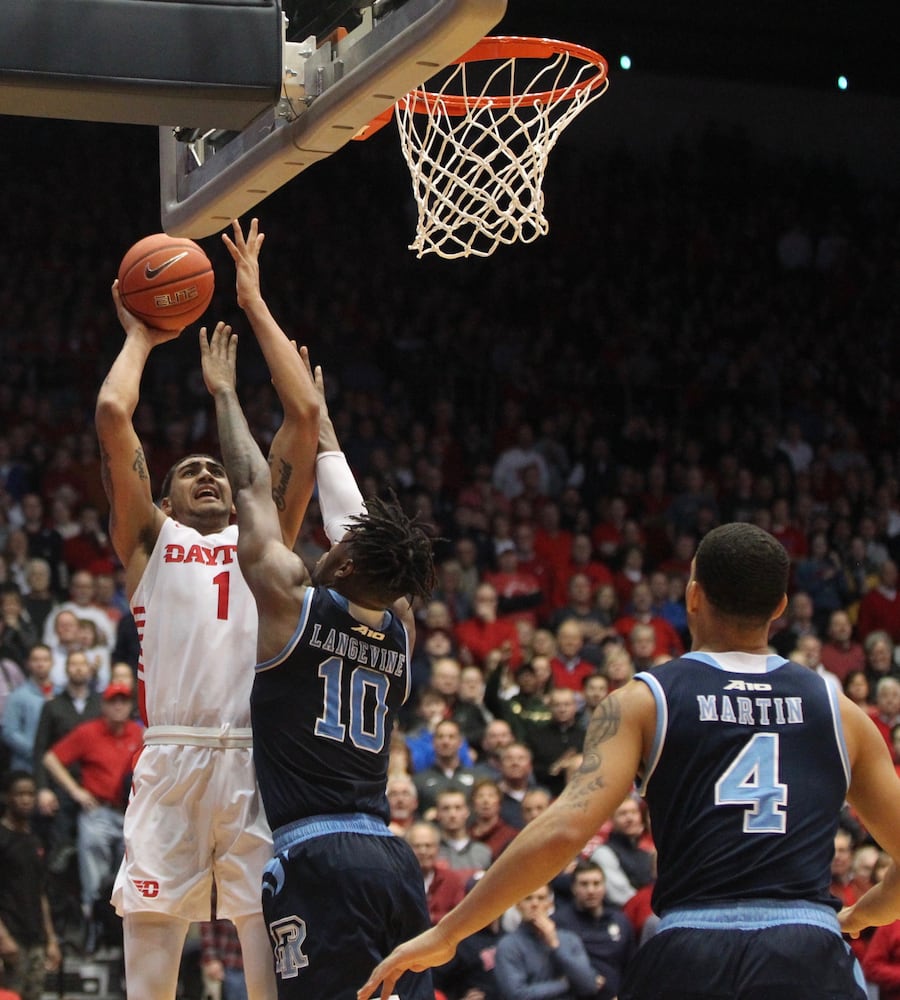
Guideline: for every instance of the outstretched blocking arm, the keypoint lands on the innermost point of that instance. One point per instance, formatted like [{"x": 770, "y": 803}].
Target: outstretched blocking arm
[
  {"x": 134, "y": 520},
  {"x": 272, "y": 571},
  {"x": 875, "y": 795},
  {"x": 339, "y": 494},
  {"x": 293, "y": 449},
  {"x": 620, "y": 730}
]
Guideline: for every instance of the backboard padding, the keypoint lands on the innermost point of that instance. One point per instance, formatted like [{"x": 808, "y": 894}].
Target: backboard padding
[{"x": 369, "y": 74}]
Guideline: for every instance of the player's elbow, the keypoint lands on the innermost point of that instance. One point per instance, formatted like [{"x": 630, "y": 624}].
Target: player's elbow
[
  {"x": 302, "y": 408},
  {"x": 561, "y": 834},
  {"x": 569, "y": 840},
  {"x": 110, "y": 412},
  {"x": 251, "y": 484}
]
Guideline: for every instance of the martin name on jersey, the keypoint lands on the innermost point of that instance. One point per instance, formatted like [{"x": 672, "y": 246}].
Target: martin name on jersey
[{"x": 744, "y": 710}]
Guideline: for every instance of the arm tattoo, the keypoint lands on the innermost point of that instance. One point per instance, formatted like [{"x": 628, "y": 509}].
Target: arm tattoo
[
  {"x": 140, "y": 464},
  {"x": 279, "y": 489},
  {"x": 603, "y": 726}
]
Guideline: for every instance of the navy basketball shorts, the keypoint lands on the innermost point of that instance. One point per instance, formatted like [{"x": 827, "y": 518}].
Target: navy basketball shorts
[
  {"x": 781, "y": 961},
  {"x": 335, "y": 905}
]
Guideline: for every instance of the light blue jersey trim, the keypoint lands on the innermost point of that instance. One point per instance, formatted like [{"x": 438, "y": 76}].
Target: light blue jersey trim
[
  {"x": 739, "y": 663},
  {"x": 387, "y": 617},
  {"x": 751, "y": 915},
  {"x": 833, "y": 699},
  {"x": 291, "y": 834},
  {"x": 662, "y": 726},
  {"x": 295, "y": 638}
]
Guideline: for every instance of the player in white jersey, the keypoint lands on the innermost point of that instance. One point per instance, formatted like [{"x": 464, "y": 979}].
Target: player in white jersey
[{"x": 195, "y": 813}]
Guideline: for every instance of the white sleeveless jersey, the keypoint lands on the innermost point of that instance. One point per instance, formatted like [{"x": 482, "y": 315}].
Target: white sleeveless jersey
[{"x": 197, "y": 623}]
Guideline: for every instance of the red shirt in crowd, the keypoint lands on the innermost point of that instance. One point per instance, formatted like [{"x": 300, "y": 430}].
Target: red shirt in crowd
[
  {"x": 668, "y": 641},
  {"x": 480, "y": 638},
  {"x": 879, "y": 610},
  {"x": 571, "y": 673},
  {"x": 105, "y": 757}
]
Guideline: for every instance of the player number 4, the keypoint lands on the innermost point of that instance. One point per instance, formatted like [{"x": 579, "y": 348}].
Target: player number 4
[{"x": 751, "y": 781}]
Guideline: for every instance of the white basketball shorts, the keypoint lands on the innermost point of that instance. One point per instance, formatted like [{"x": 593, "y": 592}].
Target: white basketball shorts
[{"x": 195, "y": 814}]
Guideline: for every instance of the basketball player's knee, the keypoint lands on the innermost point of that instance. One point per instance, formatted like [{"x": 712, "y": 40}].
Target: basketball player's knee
[
  {"x": 153, "y": 946},
  {"x": 257, "y": 954},
  {"x": 254, "y": 938},
  {"x": 156, "y": 924}
]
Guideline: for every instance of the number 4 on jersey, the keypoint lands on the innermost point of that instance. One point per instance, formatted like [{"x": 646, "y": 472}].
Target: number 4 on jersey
[{"x": 752, "y": 781}]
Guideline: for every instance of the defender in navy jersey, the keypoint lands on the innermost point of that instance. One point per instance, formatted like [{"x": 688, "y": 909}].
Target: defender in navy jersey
[
  {"x": 746, "y": 760},
  {"x": 321, "y": 712},
  {"x": 748, "y": 768},
  {"x": 333, "y": 671}
]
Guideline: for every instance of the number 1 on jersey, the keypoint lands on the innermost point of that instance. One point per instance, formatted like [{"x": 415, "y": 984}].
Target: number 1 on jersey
[
  {"x": 222, "y": 582},
  {"x": 751, "y": 781}
]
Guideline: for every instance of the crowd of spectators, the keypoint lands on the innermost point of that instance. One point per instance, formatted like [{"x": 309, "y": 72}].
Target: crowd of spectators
[{"x": 699, "y": 340}]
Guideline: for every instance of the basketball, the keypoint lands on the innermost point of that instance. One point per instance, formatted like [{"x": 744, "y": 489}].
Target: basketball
[{"x": 166, "y": 281}]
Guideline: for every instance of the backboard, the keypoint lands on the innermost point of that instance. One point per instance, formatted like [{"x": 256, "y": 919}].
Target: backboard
[
  {"x": 331, "y": 88},
  {"x": 142, "y": 62}
]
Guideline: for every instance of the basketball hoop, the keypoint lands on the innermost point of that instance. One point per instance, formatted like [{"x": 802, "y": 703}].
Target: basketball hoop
[{"x": 477, "y": 145}]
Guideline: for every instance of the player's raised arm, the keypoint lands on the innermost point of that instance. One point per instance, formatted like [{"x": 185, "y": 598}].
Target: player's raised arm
[
  {"x": 134, "y": 519},
  {"x": 291, "y": 455},
  {"x": 271, "y": 569},
  {"x": 618, "y": 734},
  {"x": 339, "y": 495},
  {"x": 340, "y": 498}
]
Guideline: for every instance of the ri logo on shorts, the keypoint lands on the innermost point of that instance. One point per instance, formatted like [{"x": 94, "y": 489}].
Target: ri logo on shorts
[{"x": 288, "y": 935}]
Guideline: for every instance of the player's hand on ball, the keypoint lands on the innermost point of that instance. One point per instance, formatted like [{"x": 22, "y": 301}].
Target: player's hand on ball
[{"x": 133, "y": 326}]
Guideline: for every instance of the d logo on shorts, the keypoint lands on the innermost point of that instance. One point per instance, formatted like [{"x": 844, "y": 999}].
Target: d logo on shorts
[{"x": 147, "y": 887}]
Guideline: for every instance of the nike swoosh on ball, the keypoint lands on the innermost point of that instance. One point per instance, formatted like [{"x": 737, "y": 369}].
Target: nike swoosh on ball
[{"x": 152, "y": 272}]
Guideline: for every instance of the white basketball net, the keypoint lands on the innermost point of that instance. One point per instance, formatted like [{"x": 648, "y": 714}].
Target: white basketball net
[{"x": 477, "y": 177}]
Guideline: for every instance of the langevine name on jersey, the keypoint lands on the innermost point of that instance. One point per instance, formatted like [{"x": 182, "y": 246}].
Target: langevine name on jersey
[
  {"x": 354, "y": 647},
  {"x": 744, "y": 710}
]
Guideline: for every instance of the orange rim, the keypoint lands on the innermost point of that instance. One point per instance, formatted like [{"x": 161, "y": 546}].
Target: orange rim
[
  {"x": 513, "y": 47},
  {"x": 501, "y": 47}
]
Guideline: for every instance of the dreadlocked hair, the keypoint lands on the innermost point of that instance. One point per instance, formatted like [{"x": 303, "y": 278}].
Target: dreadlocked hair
[{"x": 392, "y": 551}]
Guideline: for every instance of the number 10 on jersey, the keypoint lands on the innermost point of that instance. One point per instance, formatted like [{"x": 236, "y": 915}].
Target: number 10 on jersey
[{"x": 366, "y": 685}]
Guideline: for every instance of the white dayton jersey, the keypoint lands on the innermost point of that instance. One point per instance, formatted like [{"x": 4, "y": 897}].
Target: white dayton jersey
[
  {"x": 194, "y": 815},
  {"x": 197, "y": 624}
]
